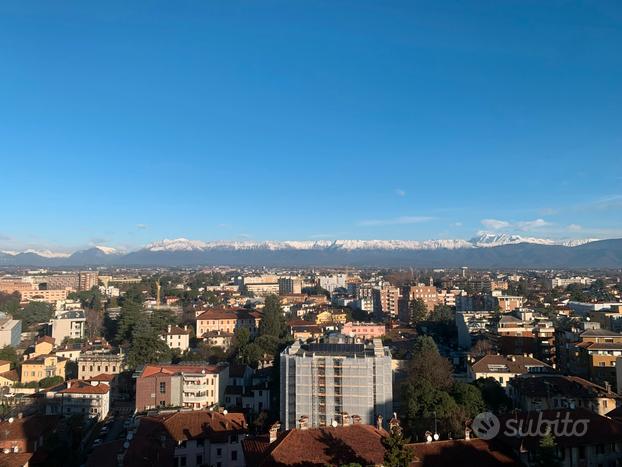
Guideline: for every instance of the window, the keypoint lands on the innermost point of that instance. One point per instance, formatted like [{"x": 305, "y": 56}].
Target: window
[
  {"x": 234, "y": 455},
  {"x": 162, "y": 388},
  {"x": 182, "y": 461},
  {"x": 219, "y": 452},
  {"x": 199, "y": 459}
]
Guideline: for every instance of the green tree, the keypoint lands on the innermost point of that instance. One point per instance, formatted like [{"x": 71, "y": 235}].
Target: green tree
[
  {"x": 9, "y": 354},
  {"x": 131, "y": 314},
  {"x": 51, "y": 381},
  {"x": 396, "y": 453},
  {"x": 34, "y": 312},
  {"x": 273, "y": 321},
  {"x": 493, "y": 395},
  {"x": 147, "y": 346},
  {"x": 469, "y": 398},
  {"x": 418, "y": 310},
  {"x": 546, "y": 454}
]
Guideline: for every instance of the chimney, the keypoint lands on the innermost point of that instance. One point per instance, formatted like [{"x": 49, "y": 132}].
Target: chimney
[
  {"x": 20, "y": 415},
  {"x": 273, "y": 432},
  {"x": 169, "y": 328},
  {"x": 304, "y": 422},
  {"x": 379, "y": 422},
  {"x": 345, "y": 419},
  {"x": 356, "y": 419},
  {"x": 608, "y": 387},
  {"x": 467, "y": 433},
  {"x": 394, "y": 422}
]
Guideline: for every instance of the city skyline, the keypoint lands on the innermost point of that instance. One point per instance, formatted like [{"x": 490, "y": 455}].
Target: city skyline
[{"x": 275, "y": 121}]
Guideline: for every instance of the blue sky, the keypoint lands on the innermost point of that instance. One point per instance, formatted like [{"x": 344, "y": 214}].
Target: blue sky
[{"x": 127, "y": 122}]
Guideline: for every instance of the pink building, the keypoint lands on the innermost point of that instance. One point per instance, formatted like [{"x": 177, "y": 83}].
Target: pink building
[{"x": 364, "y": 330}]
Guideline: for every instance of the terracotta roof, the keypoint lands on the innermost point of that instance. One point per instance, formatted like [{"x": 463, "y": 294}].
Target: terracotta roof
[
  {"x": 14, "y": 459},
  {"x": 321, "y": 446},
  {"x": 507, "y": 364},
  {"x": 567, "y": 386},
  {"x": 227, "y": 313},
  {"x": 201, "y": 424},
  {"x": 176, "y": 330},
  {"x": 5, "y": 362},
  {"x": 472, "y": 453},
  {"x": 48, "y": 339},
  {"x": 600, "y": 333},
  {"x": 103, "y": 377},
  {"x": 82, "y": 387},
  {"x": 29, "y": 428},
  {"x": 171, "y": 369},
  {"x": 616, "y": 413},
  {"x": 604, "y": 346},
  {"x": 11, "y": 374}
]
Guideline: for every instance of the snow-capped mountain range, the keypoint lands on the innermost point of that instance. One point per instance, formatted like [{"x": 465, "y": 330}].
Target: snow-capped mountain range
[
  {"x": 484, "y": 251},
  {"x": 481, "y": 241}
]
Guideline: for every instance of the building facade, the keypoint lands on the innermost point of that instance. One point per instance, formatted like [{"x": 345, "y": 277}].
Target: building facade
[{"x": 334, "y": 379}]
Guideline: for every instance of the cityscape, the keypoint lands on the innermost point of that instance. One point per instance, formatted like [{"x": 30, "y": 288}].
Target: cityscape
[{"x": 311, "y": 234}]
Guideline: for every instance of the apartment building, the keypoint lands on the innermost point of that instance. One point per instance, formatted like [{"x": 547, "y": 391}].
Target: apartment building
[
  {"x": 93, "y": 363},
  {"x": 290, "y": 285},
  {"x": 598, "y": 351},
  {"x": 87, "y": 280},
  {"x": 565, "y": 282},
  {"x": 386, "y": 300},
  {"x": 84, "y": 398},
  {"x": 68, "y": 325},
  {"x": 427, "y": 293},
  {"x": 50, "y": 295},
  {"x": 333, "y": 380},
  {"x": 503, "y": 368},
  {"x": 17, "y": 284},
  {"x": 196, "y": 386},
  {"x": 10, "y": 331},
  {"x": 527, "y": 333},
  {"x": 189, "y": 439},
  {"x": 228, "y": 320}
]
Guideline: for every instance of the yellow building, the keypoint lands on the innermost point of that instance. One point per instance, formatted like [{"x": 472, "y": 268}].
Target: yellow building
[
  {"x": 43, "y": 346},
  {"x": 328, "y": 317},
  {"x": 43, "y": 366},
  {"x": 7, "y": 376}
]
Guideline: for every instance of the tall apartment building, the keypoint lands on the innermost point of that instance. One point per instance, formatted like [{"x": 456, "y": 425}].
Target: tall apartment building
[
  {"x": 386, "y": 300},
  {"x": 10, "y": 331},
  {"x": 87, "y": 280},
  {"x": 328, "y": 382},
  {"x": 410, "y": 293},
  {"x": 333, "y": 281},
  {"x": 290, "y": 285},
  {"x": 196, "y": 386}
]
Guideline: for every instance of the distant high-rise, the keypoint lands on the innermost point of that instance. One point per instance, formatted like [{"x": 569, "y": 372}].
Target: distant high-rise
[
  {"x": 87, "y": 280},
  {"x": 334, "y": 379}
]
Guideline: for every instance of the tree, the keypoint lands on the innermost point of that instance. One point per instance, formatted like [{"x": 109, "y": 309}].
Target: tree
[
  {"x": 131, "y": 313},
  {"x": 494, "y": 396},
  {"x": 418, "y": 310},
  {"x": 396, "y": 453},
  {"x": 442, "y": 313},
  {"x": 94, "y": 323},
  {"x": 481, "y": 347},
  {"x": 9, "y": 354},
  {"x": 147, "y": 346},
  {"x": 546, "y": 454},
  {"x": 273, "y": 321},
  {"x": 469, "y": 398},
  {"x": 51, "y": 381},
  {"x": 34, "y": 312},
  {"x": 427, "y": 364}
]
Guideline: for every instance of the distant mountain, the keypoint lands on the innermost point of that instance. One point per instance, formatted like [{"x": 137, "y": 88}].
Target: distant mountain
[{"x": 484, "y": 251}]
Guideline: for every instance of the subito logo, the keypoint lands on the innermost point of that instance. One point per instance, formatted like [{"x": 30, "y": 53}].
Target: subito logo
[{"x": 486, "y": 425}]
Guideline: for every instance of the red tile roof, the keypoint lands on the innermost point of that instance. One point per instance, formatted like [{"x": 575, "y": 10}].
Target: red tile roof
[
  {"x": 82, "y": 387},
  {"x": 518, "y": 364},
  {"x": 103, "y": 377},
  {"x": 176, "y": 330},
  {"x": 171, "y": 369},
  {"x": 182, "y": 426},
  {"x": 321, "y": 446},
  {"x": 48, "y": 339},
  {"x": 473, "y": 453},
  {"x": 14, "y": 459},
  {"x": 227, "y": 313},
  {"x": 11, "y": 375}
]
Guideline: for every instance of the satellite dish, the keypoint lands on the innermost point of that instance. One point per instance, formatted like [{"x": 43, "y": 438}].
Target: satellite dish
[
  {"x": 11, "y": 420},
  {"x": 334, "y": 423},
  {"x": 224, "y": 412},
  {"x": 436, "y": 436}
]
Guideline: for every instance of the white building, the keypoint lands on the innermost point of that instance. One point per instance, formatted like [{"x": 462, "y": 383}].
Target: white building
[
  {"x": 68, "y": 325},
  {"x": 177, "y": 338},
  {"x": 10, "y": 331},
  {"x": 86, "y": 398}
]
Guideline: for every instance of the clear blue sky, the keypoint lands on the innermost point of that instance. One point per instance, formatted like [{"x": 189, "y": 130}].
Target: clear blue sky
[{"x": 126, "y": 122}]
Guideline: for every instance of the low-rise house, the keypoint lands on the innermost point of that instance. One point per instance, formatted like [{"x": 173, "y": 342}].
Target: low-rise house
[
  {"x": 177, "y": 338},
  {"x": 190, "y": 439},
  {"x": 218, "y": 339},
  {"x": 43, "y": 366},
  {"x": 228, "y": 320},
  {"x": 191, "y": 385},
  {"x": 304, "y": 330},
  {"x": 547, "y": 392},
  {"x": 44, "y": 345},
  {"x": 328, "y": 317},
  {"x": 8, "y": 377},
  {"x": 503, "y": 368},
  {"x": 471, "y": 452},
  {"x": 90, "y": 399},
  {"x": 364, "y": 330}
]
